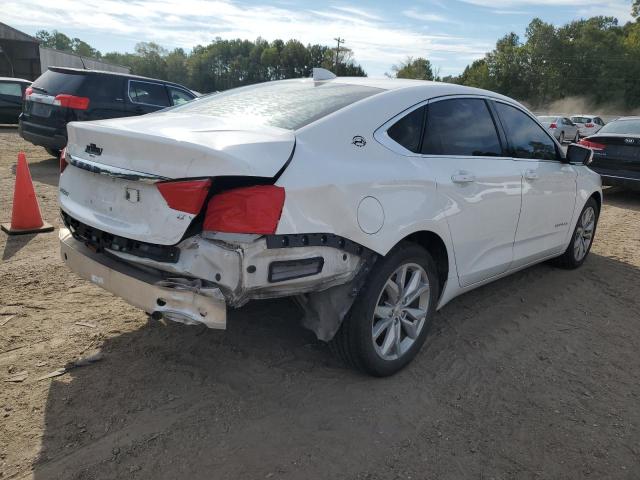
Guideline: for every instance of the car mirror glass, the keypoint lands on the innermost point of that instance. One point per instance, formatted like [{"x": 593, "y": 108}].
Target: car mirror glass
[{"x": 579, "y": 155}]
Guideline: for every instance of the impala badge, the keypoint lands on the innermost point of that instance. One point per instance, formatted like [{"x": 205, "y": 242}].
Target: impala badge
[{"x": 92, "y": 149}]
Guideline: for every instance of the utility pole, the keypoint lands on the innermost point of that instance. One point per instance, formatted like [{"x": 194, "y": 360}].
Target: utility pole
[{"x": 339, "y": 40}]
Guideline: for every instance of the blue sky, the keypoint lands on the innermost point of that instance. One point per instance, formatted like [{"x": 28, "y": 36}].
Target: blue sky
[{"x": 451, "y": 33}]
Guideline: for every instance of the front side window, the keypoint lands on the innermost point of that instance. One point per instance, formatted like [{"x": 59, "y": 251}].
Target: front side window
[
  {"x": 148, "y": 93},
  {"x": 179, "y": 96},
  {"x": 527, "y": 138},
  {"x": 11, "y": 89},
  {"x": 288, "y": 104},
  {"x": 408, "y": 129},
  {"x": 460, "y": 127}
]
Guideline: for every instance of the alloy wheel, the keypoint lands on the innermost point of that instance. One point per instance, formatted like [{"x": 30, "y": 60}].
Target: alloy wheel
[
  {"x": 584, "y": 233},
  {"x": 401, "y": 311}
]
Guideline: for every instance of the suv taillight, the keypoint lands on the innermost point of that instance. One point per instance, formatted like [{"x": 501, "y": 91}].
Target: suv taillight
[
  {"x": 254, "y": 209},
  {"x": 63, "y": 159},
  {"x": 185, "y": 195},
  {"x": 71, "y": 101}
]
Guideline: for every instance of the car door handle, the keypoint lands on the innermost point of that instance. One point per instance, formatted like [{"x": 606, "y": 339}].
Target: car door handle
[
  {"x": 463, "y": 177},
  {"x": 531, "y": 175}
]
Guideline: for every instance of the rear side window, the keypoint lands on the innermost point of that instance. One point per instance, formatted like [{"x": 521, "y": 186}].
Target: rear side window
[
  {"x": 179, "y": 96},
  {"x": 408, "y": 129},
  {"x": 148, "y": 93},
  {"x": 460, "y": 127},
  {"x": 103, "y": 88},
  {"x": 289, "y": 104},
  {"x": 53, "y": 83},
  {"x": 527, "y": 138},
  {"x": 11, "y": 89}
]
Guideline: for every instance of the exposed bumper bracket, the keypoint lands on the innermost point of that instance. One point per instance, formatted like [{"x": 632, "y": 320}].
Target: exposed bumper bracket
[{"x": 177, "y": 299}]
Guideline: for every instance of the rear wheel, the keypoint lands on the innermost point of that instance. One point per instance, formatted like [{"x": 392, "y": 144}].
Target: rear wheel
[
  {"x": 391, "y": 316},
  {"x": 582, "y": 239}
]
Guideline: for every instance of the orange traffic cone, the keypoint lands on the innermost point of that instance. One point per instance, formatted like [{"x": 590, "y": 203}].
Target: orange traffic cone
[{"x": 25, "y": 217}]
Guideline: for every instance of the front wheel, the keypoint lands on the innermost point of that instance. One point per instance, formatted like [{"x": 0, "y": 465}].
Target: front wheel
[
  {"x": 582, "y": 239},
  {"x": 391, "y": 316}
]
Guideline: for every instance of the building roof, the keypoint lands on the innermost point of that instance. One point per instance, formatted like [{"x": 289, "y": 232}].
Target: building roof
[{"x": 10, "y": 33}]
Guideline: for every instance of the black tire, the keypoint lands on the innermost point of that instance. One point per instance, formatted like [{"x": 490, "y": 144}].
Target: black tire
[
  {"x": 53, "y": 152},
  {"x": 570, "y": 258},
  {"x": 561, "y": 139},
  {"x": 354, "y": 343}
]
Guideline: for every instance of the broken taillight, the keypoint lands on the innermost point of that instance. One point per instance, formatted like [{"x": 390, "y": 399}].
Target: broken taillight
[
  {"x": 254, "y": 209},
  {"x": 63, "y": 159},
  {"x": 185, "y": 195}
]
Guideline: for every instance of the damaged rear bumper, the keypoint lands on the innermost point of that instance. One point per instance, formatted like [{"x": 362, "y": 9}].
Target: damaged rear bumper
[{"x": 178, "y": 299}]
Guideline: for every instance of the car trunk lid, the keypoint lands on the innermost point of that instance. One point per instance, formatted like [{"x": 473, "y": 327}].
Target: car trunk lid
[
  {"x": 620, "y": 155},
  {"x": 111, "y": 184}
]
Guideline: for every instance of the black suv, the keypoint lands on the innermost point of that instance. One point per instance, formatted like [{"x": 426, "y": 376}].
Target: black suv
[{"x": 63, "y": 95}]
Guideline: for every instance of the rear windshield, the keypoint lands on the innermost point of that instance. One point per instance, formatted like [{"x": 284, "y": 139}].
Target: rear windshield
[
  {"x": 622, "y": 126},
  {"x": 99, "y": 87},
  {"x": 53, "y": 83},
  {"x": 287, "y": 104},
  {"x": 547, "y": 119},
  {"x": 581, "y": 119}
]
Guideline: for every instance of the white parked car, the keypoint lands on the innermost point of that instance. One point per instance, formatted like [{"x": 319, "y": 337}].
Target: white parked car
[
  {"x": 587, "y": 124},
  {"x": 372, "y": 202}
]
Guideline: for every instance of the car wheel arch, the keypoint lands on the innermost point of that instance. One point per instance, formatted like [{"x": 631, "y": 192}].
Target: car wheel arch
[{"x": 436, "y": 246}]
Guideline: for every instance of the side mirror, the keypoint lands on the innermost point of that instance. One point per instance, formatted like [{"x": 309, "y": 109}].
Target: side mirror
[{"x": 579, "y": 155}]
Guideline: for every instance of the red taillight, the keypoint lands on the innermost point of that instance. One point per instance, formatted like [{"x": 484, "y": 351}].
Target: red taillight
[
  {"x": 63, "y": 159},
  {"x": 589, "y": 125},
  {"x": 245, "y": 210},
  {"x": 186, "y": 196},
  {"x": 71, "y": 101},
  {"x": 592, "y": 145},
  {"x": 28, "y": 91},
  {"x": 553, "y": 125}
]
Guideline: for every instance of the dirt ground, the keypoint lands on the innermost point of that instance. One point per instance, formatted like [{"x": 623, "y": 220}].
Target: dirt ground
[{"x": 536, "y": 376}]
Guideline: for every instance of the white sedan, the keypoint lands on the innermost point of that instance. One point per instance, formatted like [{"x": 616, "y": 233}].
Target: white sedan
[{"x": 372, "y": 202}]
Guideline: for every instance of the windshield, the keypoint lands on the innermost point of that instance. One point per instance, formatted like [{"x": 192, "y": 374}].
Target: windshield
[
  {"x": 287, "y": 104},
  {"x": 631, "y": 126},
  {"x": 547, "y": 119},
  {"x": 581, "y": 119}
]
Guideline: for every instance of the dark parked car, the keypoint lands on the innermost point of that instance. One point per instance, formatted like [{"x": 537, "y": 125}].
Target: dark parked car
[
  {"x": 11, "y": 95},
  {"x": 63, "y": 95},
  {"x": 616, "y": 152}
]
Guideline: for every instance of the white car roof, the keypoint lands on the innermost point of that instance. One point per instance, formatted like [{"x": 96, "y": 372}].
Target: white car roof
[{"x": 423, "y": 88}]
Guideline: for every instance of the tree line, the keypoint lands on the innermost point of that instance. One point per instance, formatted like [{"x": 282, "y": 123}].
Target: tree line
[
  {"x": 222, "y": 64},
  {"x": 596, "y": 59}
]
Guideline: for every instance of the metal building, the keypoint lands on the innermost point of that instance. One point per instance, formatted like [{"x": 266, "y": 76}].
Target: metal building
[{"x": 22, "y": 56}]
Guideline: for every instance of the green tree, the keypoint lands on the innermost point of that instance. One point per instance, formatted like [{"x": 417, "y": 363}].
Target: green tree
[{"x": 418, "y": 69}]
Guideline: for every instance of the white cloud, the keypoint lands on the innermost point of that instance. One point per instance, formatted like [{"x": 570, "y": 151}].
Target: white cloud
[
  {"x": 377, "y": 43},
  {"x": 424, "y": 16}
]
